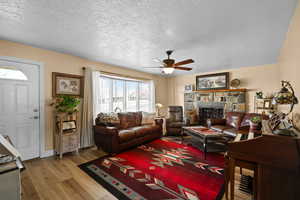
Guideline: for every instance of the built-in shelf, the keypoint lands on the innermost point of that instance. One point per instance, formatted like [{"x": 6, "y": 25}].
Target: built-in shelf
[
  {"x": 224, "y": 90},
  {"x": 208, "y": 103}
]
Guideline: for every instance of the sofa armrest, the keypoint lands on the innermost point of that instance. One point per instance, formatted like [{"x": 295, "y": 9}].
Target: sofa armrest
[
  {"x": 107, "y": 138},
  {"x": 211, "y": 122},
  {"x": 108, "y": 130}
]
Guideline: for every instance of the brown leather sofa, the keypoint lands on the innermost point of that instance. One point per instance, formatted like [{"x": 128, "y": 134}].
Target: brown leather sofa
[
  {"x": 235, "y": 123},
  {"x": 128, "y": 133}
]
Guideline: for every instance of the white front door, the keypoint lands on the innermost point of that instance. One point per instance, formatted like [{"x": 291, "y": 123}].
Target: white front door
[{"x": 19, "y": 106}]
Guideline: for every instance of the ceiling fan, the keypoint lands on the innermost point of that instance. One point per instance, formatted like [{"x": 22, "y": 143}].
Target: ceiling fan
[{"x": 168, "y": 65}]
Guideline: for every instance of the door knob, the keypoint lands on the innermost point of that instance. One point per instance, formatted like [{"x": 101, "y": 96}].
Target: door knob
[{"x": 34, "y": 117}]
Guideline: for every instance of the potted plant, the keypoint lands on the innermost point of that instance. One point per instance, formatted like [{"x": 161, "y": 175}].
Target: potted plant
[
  {"x": 66, "y": 104},
  {"x": 259, "y": 95},
  {"x": 255, "y": 123}
]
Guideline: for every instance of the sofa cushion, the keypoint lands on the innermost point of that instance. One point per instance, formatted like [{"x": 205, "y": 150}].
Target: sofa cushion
[
  {"x": 130, "y": 119},
  {"x": 175, "y": 124},
  {"x": 148, "y": 118},
  {"x": 141, "y": 131},
  {"x": 126, "y": 135},
  {"x": 220, "y": 128},
  {"x": 234, "y": 119}
]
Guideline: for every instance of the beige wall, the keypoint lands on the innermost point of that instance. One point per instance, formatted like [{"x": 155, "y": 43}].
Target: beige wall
[
  {"x": 58, "y": 62},
  {"x": 289, "y": 59},
  {"x": 259, "y": 78}
]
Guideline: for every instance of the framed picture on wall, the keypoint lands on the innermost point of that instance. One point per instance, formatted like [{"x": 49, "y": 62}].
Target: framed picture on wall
[
  {"x": 217, "y": 81},
  {"x": 188, "y": 88},
  {"x": 67, "y": 84}
]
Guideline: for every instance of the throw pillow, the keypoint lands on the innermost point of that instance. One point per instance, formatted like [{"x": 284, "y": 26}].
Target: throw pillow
[
  {"x": 148, "y": 118},
  {"x": 192, "y": 117},
  {"x": 107, "y": 119}
]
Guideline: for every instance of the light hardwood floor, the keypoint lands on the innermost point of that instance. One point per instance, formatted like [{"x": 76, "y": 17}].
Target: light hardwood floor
[{"x": 53, "y": 179}]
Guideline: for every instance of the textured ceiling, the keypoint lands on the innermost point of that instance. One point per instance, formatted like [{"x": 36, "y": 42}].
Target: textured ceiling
[{"x": 217, "y": 34}]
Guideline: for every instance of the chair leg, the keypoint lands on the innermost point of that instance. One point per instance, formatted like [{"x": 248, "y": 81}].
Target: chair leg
[
  {"x": 226, "y": 177},
  {"x": 255, "y": 184},
  {"x": 232, "y": 178}
]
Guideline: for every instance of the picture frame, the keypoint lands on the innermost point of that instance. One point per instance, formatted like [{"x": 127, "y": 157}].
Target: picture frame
[
  {"x": 218, "y": 81},
  {"x": 188, "y": 88},
  {"x": 67, "y": 84},
  {"x": 68, "y": 125},
  {"x": 267, "y": 104}
]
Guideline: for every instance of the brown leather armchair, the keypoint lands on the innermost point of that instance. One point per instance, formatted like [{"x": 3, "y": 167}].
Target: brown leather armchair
[
  {"x": 127, "y": 133},
  {"x": 175, "y": 121}
]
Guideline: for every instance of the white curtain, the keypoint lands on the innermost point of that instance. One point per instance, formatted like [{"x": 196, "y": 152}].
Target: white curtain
[
  {"x": 86, "y": 137},
  {"x": 90, "y": 106},
  {"x": 96, "y": 93},
  {"x": 152, "y": 91}
]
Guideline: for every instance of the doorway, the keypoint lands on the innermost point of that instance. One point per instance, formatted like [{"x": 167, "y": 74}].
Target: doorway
[{"x": 20, "y": 110}]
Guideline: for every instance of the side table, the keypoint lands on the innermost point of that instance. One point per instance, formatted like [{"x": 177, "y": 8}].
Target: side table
[{"x": 164, "y": 124}]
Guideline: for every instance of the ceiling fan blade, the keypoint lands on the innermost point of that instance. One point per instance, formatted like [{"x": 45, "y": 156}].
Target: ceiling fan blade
[
  {"x": 158, "y": 60},
  {"x": 184, "y": 68},
  {"x": 152, "y": 67},
  {"x": 184, "y": 62}
]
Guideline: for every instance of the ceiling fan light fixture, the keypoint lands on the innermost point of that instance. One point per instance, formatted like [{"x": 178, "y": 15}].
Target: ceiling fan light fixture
[{"x": 168, "y": 70}]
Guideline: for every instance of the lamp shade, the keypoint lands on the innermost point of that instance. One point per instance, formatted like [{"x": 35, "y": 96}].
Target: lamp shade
[
  {"x": 159, "y": 105},
  {"x": 168, "y": 70},
  {"x": 285, "y": 96}
]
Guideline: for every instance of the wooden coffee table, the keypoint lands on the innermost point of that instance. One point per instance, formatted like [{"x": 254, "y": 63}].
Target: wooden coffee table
[{"x": 206, "y": 139}]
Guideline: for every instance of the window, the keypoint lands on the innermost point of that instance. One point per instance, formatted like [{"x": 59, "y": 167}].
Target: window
[
  {"x": 131, "y": 96},
  {"x": 118, "y": 95},
  {"x": 14, "y": 74},
  {"x": 125, "y": 95}
]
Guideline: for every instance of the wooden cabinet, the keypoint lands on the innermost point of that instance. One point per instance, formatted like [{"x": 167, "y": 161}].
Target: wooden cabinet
[{"x": 67, "y": 136}]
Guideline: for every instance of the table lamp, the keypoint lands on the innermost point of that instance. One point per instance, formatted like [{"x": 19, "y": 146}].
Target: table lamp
[
  {"x": 158, "y": 106},
  {"x": 286, "y": 96}
]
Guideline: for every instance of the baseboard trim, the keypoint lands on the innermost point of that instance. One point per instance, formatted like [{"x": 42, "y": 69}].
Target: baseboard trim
[{"x": 48, "y": 153}]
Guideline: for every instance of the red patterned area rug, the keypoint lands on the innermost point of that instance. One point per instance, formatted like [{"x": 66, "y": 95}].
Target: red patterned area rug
[{"x": 162, "y": 169}]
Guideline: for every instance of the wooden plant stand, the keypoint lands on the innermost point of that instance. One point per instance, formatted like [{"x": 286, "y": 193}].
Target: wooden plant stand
[{"x": 66, "y": 140}]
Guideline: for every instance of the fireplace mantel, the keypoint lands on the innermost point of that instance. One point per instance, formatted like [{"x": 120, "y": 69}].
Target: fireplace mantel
[{"x": 227, "y": 90}]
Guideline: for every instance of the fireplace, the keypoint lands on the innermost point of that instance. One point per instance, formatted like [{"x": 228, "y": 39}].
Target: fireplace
[{"x": 210, "y": 113}]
